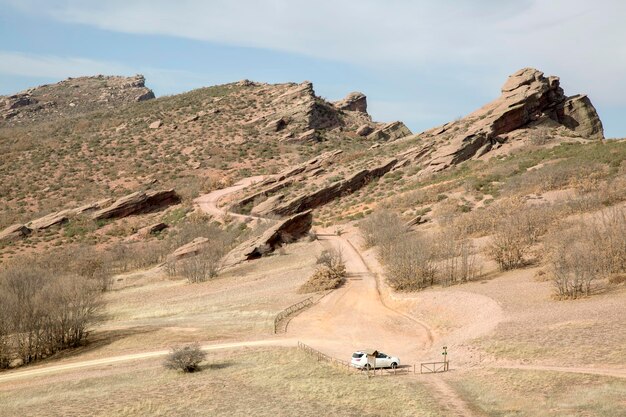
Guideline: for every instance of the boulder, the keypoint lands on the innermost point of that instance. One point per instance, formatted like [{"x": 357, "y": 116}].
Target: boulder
[
  {"x": 578, "y": 114},
  {"x": 286, "y": 231},
  {"x": 156, "y": 124},
  {"x": 309, "y": 135},
  {"x": 276, "y": 125},
  {"x": 14, "y": 232},
  {"x": 138, "y": 202},
  {"x": 364, "y": 130},
  {"x": 50, "y": 220},
  {"x": 390, "y": 131},
  {"x": 354, "y": 101},
  {"x": 152, "y": 229},
  {"x": 190, "y": 249}
]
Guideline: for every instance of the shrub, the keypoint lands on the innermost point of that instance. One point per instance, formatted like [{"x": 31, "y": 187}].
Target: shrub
[
  {"x": 186, "y": 358},
  {"x": 588, "y": 249},
  {"x": 330, "y": 273},
  {"x": 457, "y": 258},
  {"x": 43, "y": 311}
]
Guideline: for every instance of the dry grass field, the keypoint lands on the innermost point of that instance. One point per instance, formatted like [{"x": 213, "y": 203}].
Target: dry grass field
[{"x": 259, "y": 382}]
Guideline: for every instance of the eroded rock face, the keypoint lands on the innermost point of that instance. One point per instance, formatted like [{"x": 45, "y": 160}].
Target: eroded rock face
[
  {"x": 286, "y": 231},
  {"x": 287, "y": 177},
  {"x": 528, "y": 99},
  {"x": 364, "y": 130},
  {"x": 354, "y": 101},
  {"x": 190, "y": 249},
  {"x": 138, "y": 202},
  {"x": 578, "y": 114},
  {"x": 390, "y": 131},
  {"x": 14, "y": 232},
  {"x": 324, "y": 195},
  {"x": 52, "y": 219}
]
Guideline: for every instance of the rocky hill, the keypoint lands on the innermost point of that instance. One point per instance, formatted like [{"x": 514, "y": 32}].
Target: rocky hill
[
  {"x": 533, "y": 110},
  {"x": 74, "y": 96}
]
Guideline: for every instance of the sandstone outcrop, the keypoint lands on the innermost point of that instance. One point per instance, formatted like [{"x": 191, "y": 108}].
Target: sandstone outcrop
[
  {"x": 71, "y": 97},
  {"x": 190, "y": 249},
  {"x": 354, "y": 101},
  {"x": 390, "y": 131},
  {"x": 138, "y": 202},
  {"x": 528, "y": 100},
  {"x": 364, "y": 130},
  {"x": 14, "y": 232},
  {"x": 322, "y": 196},
  {"x": 286, "y": 231},
  {"x": 287, "y": 177},
  {"x": 52, "y": 219},
  {"x": 152, "y": 229}
]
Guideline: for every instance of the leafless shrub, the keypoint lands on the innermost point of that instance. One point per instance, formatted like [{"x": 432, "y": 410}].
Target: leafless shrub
[
  {"x": 517, "y": 227},
  {"x": 43, "y": 311},
  {"x": 382, "y": 228},
  {"x": 330, "y": 273},
  {"x": 186, "y": 358},
  {"x": 411, "y": 263},
  {"x": 589, "y": 249},
  {"x": 457, "y": 258}
]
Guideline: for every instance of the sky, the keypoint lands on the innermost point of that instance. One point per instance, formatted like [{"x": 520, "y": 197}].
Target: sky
[{"x": 422, "y": 62}]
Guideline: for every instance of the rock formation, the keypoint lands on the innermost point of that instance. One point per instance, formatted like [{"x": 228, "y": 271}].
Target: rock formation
[
  {"x": 72, "y": 96},
  {"x": 14, "y": 232},
  {"x": 528, "y": 101},
  {"x": 390, "y": 131},
  {"x": 190, "y": 249},
  {"x": 286, "y": 231},
  {"x": 322, "y": 196},
  {"x": 354, "y": 101},
  {"x": 52, "y": 219},
  {"x": 138, "y": 202}
]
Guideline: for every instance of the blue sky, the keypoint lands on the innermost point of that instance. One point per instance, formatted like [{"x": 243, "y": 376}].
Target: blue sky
[{"x": 423, "y": 62}]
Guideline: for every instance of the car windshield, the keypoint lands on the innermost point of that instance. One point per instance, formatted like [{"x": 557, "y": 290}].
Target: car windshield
[{"x": 357, "y": 355}]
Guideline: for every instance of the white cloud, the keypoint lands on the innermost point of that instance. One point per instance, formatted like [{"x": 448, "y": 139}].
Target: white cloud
[
  {"x": 49, "y": 66},
  {"x": 582, "y": 42}
]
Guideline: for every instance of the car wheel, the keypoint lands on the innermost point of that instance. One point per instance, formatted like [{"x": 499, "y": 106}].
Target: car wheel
[
  {"x": 368, "y": 367},
  {"x": 394, "y": 365}
]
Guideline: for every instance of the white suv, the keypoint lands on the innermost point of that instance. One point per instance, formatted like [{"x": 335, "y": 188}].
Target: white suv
[{"x": 379, "y": 360}]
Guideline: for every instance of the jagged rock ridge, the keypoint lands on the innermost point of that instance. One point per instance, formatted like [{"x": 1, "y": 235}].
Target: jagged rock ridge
[
  {"x": 71, "y": 97},
  {"x": 528, "y": 101}
]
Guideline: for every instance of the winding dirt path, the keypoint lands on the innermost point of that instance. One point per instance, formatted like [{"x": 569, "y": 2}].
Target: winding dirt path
[{"x": 208, "y": 203}]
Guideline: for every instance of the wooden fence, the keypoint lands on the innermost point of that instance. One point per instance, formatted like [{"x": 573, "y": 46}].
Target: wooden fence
[
  {"x": 426, "y": 367},
  {"x": 290, "y": 310},
  {"x": 434, "y": 367}
]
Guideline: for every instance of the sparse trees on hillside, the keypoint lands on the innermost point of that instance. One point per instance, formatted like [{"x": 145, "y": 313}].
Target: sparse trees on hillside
[
  {"x": 43, "y": 311},
  {"x": 588, "y": 249}
]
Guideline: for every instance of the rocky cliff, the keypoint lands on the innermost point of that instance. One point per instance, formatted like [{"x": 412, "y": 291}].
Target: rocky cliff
[{"x": 529, "y": 104}]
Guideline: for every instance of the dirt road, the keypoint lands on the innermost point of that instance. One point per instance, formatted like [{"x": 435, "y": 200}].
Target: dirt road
[
  {"x": 354, "y": 317},
  {"x": 208, "y": 203}
]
